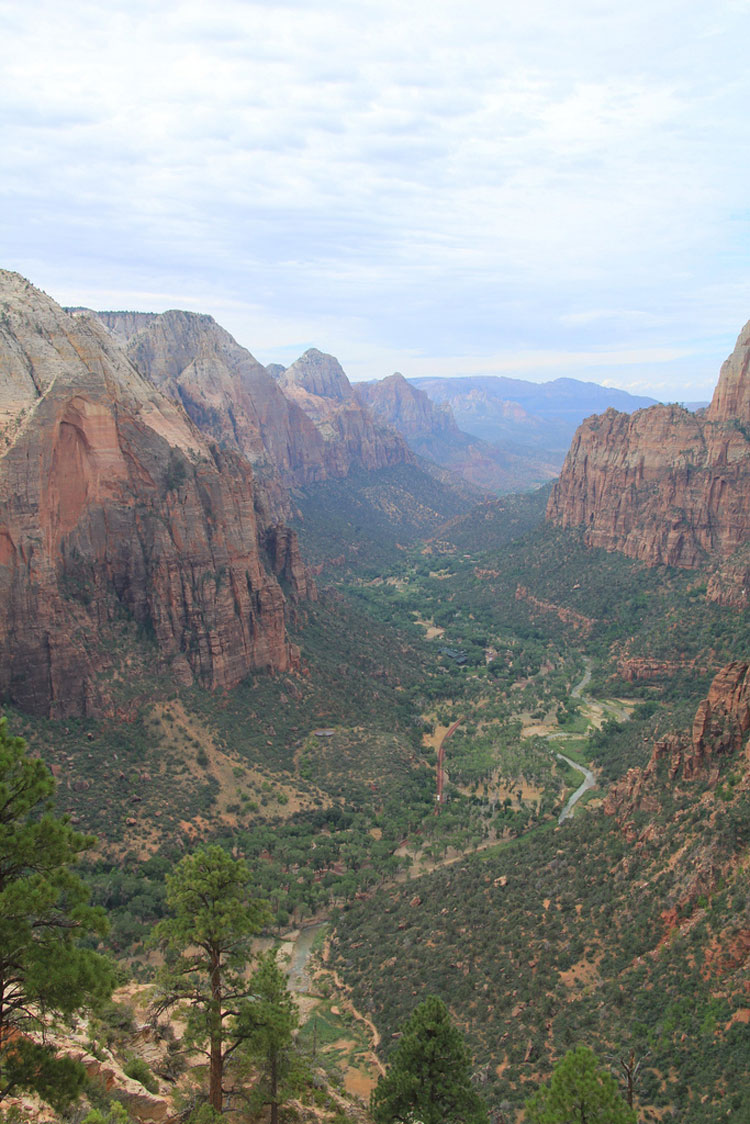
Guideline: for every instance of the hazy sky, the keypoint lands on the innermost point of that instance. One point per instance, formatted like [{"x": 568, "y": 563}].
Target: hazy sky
[{"x": 535, "y": 188}]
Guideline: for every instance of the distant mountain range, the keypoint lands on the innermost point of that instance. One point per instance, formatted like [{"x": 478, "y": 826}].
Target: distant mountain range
[{"x": 526, "y": 415}]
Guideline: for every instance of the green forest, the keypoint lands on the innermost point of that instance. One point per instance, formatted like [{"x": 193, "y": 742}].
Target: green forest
[{"x": 318, "y": 789}]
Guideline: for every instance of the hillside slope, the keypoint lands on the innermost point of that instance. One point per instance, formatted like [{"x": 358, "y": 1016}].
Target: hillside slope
[{"x": 626, "y": 929}]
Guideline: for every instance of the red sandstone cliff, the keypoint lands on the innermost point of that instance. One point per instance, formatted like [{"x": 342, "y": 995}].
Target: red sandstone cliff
[
  {"x": 720, "y": 729},
  {"x": 116, "y": 515},
  {"x": 430, "y": 430},
  {"x": 680, "y": 815},
  {"x": 665, "y": 485},
  {"x": 426, "y": 425},
  {"x": 352, "y": 435},
  {"x": 301, "y": 428}
]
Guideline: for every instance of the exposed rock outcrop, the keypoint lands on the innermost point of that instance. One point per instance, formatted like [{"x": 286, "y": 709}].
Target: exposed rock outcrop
[
  {"x": 353, "y": 437},
  {"x": 114, "y": 509},
  {"x": 567, "y": 616},
  {"x": 430, "y": 431},
  {"x": 664, "y": 485},
  {"x": 227, "y": 393},
  {"x": 426, "y": 425},
  {"x": 319, "y": 375},
  {"x": 719, "y": 730},
  {"x": 296, "y": 426}
]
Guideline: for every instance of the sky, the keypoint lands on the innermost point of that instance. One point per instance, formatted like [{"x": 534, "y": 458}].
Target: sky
[{"x": 535, "y": 189}]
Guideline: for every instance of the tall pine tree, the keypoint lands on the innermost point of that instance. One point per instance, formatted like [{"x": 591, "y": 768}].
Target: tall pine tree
[
  {"x": 429, "y": 1074},
  {"x": 44, "y": 913},
  {"x": 207, "y": 944},
  {"x": 579, "y": 1092}
]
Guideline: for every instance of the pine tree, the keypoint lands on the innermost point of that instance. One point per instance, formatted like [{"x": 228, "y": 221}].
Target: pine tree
[
  {"x": 44, "y": 912},
  {"x": 579, "y": 1092},
  {"x": 429, "y": 1075},
  {"x": 269, "y": 1021},
  {"x": 207, "y": 942}
]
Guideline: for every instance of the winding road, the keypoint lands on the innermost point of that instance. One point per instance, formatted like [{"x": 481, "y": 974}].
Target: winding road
[{"x": 589, "y": 781}]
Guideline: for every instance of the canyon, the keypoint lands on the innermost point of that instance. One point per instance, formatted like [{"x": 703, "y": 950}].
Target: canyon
[
  {"x": 665, "y": 485},
  {"x": 118, "y": 519}
]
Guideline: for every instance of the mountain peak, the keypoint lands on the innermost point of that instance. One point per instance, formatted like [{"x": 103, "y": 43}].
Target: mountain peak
[
  {"x": 731, "y": 400},
  {"x": 318, "y": 374}
]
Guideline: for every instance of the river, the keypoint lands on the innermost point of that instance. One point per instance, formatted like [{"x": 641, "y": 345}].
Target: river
[{"x": 299, "y": 978}]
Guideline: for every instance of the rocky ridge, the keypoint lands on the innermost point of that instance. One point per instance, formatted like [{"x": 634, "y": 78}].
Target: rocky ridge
[
  {"x": 226, "y": 392},
  {"x": 706, "y": 821},
  {"x": 667, "y": 486},
  {"x": 119, "y": 520},
  {"x": 297, "y": 426},
  {"x": 430, "y": 430},
  {"x": 353, "y": 437},
  {"x": 719, "y": 731},
  {"x": 425, "y": 424}
]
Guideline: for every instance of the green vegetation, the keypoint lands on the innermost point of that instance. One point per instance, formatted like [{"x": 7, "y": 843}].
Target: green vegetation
[
  {"x": 608, "y": 931},
  {"x": 269, "y": 1025},
  {"x": 429, "y": 1075},
  {"x": 579, "y": 1092},
  {"x": 364, "y": 519},
  {"x": 207, "y": 944},
  {"x": 44, "y": 916}
]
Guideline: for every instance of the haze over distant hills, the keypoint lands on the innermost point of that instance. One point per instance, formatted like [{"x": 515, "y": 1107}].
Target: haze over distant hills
[
  {"x": 668, "y": 486},
  {"x": 532, "y": 415}
]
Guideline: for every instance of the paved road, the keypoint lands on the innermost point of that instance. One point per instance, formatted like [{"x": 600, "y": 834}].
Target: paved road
[{"x": 589, "y": 781}]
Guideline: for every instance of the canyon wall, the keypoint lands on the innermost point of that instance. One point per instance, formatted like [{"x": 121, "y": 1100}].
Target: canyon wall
[
  {"x": 119, "y": 521},
  {"x": 665, "y": 485},
  {"x": 300, "y": 428}
]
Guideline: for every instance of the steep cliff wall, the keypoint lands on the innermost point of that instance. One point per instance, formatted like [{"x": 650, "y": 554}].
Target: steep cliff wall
[
  {"x": 227, "y": 393},
  {"x": 302, "y": 428},
  {"x": 430, "y": 430},
  {"x": 114, "y": 509},
  {"x": 352, "y": 435},
  {"x": 426, "y": 425},
  {"x": 720, "y": 731},
  {"x": 665, "y": 485}
]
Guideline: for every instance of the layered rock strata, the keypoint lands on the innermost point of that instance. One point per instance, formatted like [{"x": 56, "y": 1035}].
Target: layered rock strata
[
  {"x": 228, "y": 395},
  {"x": 115, "y": 511},
  {"x": 664, "y": 485},
  {"x": 353, "y": 437},
  {"x": 720, "y": 729},
  {"x": 302, "y": 427}
]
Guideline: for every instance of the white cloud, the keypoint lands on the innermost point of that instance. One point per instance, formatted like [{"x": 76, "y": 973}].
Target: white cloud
[{"x": 445, "y": 180}]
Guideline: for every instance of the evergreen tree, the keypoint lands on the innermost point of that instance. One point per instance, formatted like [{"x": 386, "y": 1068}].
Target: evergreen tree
[
  {"x": 579, "y": 1092},
  {"x": 44, "y": 912},
  {"x": 269, "y": 1022},
  {"x": 207, "y": 943},
  {"x": 429, "y": 1075}
]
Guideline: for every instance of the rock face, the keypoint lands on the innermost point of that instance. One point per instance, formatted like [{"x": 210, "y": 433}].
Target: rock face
[
  {"x": 720, "y": 729},
  {"x": 226, "y": 392},
  {"x": 296, "y": 426},
  {"x": 429, "y": 428},
  {"x": 426, "y": 425},
  {"x": 116, "y": 513},
  {"x": 525, "y": 415},
  {"x": 353, "y": 437},
  {"x": 665, "y": 485}
]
